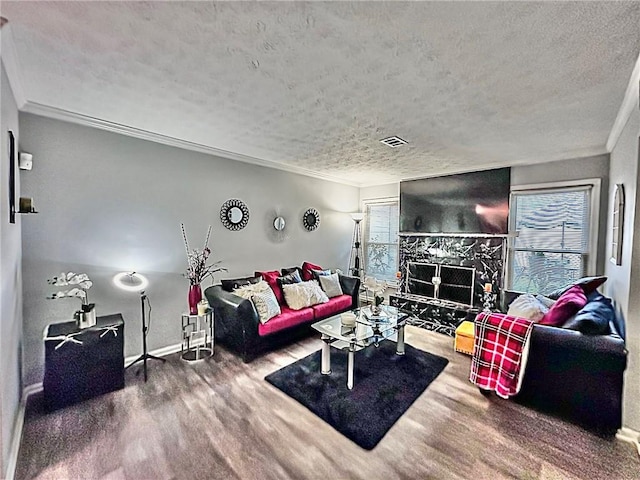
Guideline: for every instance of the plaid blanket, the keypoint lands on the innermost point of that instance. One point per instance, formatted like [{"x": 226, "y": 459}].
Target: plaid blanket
[{"x": 500, "y": 353}]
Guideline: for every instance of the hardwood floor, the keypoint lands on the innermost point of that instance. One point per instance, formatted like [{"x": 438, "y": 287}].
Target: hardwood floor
[{"x": 219, "y": 419}]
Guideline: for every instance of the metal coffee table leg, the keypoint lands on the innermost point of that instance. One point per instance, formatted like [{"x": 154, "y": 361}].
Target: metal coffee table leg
[
  {"x": 350, "y": 366},
  {"x": 400, "y": 343},
  {"x": 326, "y": 355}
]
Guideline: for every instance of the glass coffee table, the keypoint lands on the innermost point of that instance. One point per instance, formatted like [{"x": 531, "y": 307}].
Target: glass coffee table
[{"x": 369, "y": 330}]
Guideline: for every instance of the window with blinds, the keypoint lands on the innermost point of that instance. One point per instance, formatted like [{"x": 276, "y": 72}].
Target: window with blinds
[
  {"x": 552, "y": 248},
  {"x": 381, "y": 240}
]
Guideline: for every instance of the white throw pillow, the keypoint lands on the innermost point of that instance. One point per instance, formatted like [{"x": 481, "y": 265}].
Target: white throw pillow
[
  {"x": 266, "y": 305},
  {"x": 303, "y": 294},
  {"x": 527, "y": 306},
  {"x": 546, "y": 301},
  {"x": 247, "y": 291},
  {"x": 330, "y": 284}
]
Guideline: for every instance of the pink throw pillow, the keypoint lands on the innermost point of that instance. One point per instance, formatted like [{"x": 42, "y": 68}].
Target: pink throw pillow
[
  {"x": 306, "y": 271},
  {"x": 271, "y": 279},
  {"x": 569, "y": 303}
]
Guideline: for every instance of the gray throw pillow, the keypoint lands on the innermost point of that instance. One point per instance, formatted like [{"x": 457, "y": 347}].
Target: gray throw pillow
[
  {"x": 231, "y": 284},
  {"x": 588, "y": 285},
  {"x": 287, "y": 271},
  {"x": 266, "y": 305},
  {"x": 293, "y": 277},
  {"x": 317, "y": 273},
  {"x": 331, "y": 285}
]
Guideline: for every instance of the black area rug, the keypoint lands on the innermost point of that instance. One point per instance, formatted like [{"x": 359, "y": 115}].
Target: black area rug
[{"x": 384, "y": 388}]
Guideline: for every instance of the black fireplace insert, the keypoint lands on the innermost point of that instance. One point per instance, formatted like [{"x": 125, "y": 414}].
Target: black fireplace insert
[{"x": 444, "y": 282}]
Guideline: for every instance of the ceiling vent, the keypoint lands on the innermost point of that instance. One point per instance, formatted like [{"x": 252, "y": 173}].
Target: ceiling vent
[{"x": 393, "y": 142}]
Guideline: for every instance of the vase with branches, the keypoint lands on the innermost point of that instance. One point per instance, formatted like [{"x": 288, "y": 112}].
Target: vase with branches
[{"x": 198, "y": 269}]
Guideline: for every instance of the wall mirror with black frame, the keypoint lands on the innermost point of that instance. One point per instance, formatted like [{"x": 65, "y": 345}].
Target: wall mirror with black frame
[
  {"x": 234, "y": 214},
  {"x": 12, "y": 177},
  {"x": 311, "y": 219}
]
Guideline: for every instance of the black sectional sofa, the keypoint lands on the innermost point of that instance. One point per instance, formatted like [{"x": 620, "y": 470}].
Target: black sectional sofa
[{"x": 576, "y": 375}]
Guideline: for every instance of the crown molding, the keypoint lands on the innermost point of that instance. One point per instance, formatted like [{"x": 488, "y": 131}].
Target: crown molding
[
  {"x": 522, "y": 162},
  {"x": 629, "y": 102},
  {"x": 11, "y": 64},
  {"x": 88, "y": 121},
  {"x": 93, "y": 122}
]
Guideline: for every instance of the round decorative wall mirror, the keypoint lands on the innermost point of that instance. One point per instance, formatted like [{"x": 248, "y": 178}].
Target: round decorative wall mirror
[
  {"x": 311, "y": 219},
  {"x": 234, "y": 214},
  {"x": 279, "y": 224}
]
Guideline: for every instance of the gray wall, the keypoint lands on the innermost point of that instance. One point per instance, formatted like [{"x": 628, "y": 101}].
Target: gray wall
[
  {"x": 388, "y": 190},
  {"x": 11, "y": 279},
  {"x": 111, "y": 203},
  {"x": 625, "y": 279}
]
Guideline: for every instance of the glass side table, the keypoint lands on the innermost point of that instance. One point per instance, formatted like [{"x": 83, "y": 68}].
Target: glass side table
[{"x": 197, "y": 336}]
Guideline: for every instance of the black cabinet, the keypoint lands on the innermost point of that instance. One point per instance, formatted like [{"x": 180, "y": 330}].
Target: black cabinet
[{"x": 81, "y": 364}]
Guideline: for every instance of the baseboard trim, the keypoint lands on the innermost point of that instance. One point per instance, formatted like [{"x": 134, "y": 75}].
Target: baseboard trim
[
  {"x": 159, "y": 352},
  {"x": 629, "y": 435},
  {"x": 17, "y": 428},
  {"x": 37, "y": 388},
  {"x": 12, "y": 461}
]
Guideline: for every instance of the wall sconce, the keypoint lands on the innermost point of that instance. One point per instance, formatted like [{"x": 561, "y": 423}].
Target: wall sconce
[{"x": 279, "y": 223}]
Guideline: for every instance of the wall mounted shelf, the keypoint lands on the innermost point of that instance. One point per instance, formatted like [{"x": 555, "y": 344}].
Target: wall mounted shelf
[{"x": 25, "y": 204}]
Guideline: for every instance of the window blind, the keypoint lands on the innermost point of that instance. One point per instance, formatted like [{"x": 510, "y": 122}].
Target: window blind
[
  {"x": 552, "y": 246},
  {"x": 381, "y": 240}
]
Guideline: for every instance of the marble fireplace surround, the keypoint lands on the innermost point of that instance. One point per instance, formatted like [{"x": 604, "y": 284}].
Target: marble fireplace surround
[{"x": 484, "y": 253}]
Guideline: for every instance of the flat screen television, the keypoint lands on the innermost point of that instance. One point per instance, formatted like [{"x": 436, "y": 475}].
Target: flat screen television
[{"x": 474, "y": 202}]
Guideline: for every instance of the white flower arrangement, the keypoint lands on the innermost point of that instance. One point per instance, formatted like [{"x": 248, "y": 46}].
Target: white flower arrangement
[
  {"x": 79, "y": 282},
  {"x": 377, "y": 287}
]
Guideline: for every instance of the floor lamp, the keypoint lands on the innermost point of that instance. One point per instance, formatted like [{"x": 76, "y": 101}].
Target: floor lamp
[
  {"x": 135, "y": 282},
  {"x": 356, "y": 251}
]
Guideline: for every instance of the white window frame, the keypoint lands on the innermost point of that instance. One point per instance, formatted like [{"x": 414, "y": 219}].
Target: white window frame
[
  {"x": 365, "y": 230},
  {"x": 594, "y": 219}
]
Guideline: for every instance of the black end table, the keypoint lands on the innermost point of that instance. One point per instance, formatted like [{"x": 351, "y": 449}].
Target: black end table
[{"x": 83, "y": 363}]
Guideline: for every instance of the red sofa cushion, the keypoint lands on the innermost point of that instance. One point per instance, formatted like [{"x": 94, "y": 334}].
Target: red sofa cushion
[
  {"x": 333, "y": 306},
  {"x": 569, "y": 303},
  {"x": 306, "y": 271},
  {"x": 272, "y": 279},
  {"x": 288, "y": 318}
]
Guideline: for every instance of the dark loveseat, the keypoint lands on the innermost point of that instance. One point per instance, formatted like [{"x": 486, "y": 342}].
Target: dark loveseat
[
  {"x": 576, "y": 375},
  {"x": 237, "y": 325}
]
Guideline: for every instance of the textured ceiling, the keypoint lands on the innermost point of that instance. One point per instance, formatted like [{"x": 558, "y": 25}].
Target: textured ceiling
[{"x": 316, "y": 85}]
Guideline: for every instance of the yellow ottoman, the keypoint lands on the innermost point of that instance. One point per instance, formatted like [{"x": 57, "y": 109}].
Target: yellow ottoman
[{"x": 464, "y": 338}]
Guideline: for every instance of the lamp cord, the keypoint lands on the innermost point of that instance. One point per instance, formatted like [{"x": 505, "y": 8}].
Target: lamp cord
[{"x": 148, "y": 313}]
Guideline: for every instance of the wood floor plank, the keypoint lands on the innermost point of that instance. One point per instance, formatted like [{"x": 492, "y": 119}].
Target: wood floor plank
[{"x": 220, "y": 419}]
